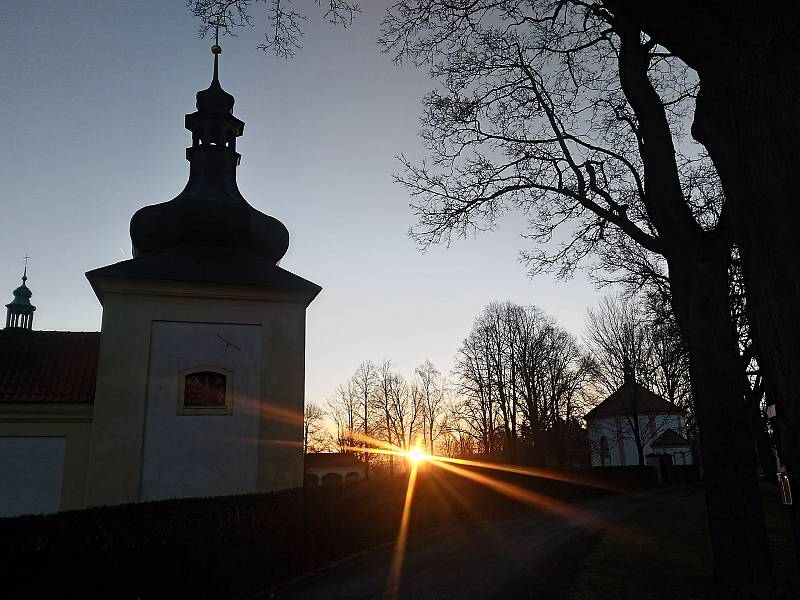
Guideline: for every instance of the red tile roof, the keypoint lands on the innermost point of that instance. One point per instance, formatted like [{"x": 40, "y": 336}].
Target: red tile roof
[
  {"x": 670, "y": 437},
  {"x": 48, "y": 366},
  {"x": 621, "y": 403}
]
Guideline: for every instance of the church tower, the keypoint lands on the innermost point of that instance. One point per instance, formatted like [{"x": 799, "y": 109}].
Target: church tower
[
  {"x": 201, "y": 371},
  {"x": 19, "y": 313}
]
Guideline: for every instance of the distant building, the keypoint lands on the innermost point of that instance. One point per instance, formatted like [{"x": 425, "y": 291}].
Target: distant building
[
  {"x": 612, "y": 428},
  {"x": 330, "y": 468},
  {"x": 195, "y": 385}
]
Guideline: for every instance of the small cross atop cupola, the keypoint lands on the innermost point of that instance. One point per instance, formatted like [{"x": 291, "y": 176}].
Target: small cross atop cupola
[{"x": 19, "y": 313}]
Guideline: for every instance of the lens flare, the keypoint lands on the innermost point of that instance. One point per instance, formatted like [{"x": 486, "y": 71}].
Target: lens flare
[
  {"x": 470, "y": 469},
  {"x": 396, "y": 568},
  {"x": 417, "y": 455}
]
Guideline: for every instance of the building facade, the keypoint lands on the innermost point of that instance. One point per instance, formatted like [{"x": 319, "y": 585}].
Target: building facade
[
  {"x": 195, "y": 384},
  {"x": 634, "y": 413}
]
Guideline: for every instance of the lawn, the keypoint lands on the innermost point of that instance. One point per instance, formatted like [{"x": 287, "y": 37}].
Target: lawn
[{"x": 664, "y": 552}]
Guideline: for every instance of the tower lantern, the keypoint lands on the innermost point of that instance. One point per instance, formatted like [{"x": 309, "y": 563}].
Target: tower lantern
[{"x": 19, "y": 312}]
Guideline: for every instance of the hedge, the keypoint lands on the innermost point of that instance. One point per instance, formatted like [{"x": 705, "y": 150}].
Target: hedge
[{"x": 233, "y": 546}]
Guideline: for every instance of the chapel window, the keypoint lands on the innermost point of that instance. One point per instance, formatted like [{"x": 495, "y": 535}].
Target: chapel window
[{"x": 205, "y": 391}]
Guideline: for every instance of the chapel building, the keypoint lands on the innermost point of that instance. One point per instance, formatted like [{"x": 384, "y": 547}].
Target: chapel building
[
  {"x": 194, "y": 385},
  {"x": 634, "y": 412}
]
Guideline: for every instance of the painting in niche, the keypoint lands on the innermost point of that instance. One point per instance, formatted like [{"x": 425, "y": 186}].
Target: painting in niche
[{"x": 204, "y": 389}]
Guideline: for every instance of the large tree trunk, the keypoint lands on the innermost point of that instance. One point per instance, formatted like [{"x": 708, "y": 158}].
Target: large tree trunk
[
  {"x": 753, "y": 136},
  {"x": 748, "y": 117},
  {"x": 742, "y": 564}
]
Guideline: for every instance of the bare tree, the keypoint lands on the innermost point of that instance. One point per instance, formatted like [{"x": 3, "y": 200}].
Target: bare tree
[
  {"x": 456, "y": 442},
  {"x": 628, "y": 349},
  {"x": 407, "y": 410},
  {"x": 363, "y": 383},
  {"x": 283, "y": 23},
  {"x": 520, "y": 377},
  {"x": 343, "y": 409},
  {"x": 382, "y": 403},
  {"x": 316, "y": 437},
  {"x": 475, "y": 384},
  {"x": 573, "y": 115},
  {"x": 431, "y": 389},
  {"x": 618, "y": 336}
]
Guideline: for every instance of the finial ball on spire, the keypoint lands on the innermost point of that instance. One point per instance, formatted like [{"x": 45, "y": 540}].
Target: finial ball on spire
[{"x": 216, "y": 49}]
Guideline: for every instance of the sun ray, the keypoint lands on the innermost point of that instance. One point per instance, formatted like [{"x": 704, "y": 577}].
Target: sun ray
[
  {"x": 530, "y": 471},
  {"x": 396, "y": 568},
  {"x": 252, "y": 440},
  {"x": 521, "y": 494},
  {"x": 372, "y": 450},
  {"x": 373, "y": 441},
  {"x": 280, "y": 414}
]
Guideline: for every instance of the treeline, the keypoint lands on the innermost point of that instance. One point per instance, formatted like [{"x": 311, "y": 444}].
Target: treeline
[
  {"x": 378, "y": 404},
  {"x": 518, "y": 390}
]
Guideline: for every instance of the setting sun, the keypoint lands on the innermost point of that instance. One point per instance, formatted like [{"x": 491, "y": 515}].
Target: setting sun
[{"x": 417, "y": 455}]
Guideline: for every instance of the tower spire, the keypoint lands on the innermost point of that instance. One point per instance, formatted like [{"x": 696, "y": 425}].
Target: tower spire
[
  {"x": 210, "y": 211},
  {"x": 216, "y": 62},
  {"x": 216, "y": 49},
  {"x": 19, "y": 312}
]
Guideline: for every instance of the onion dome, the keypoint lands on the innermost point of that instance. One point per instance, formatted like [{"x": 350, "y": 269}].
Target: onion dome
[
  {"x": 19, "y": 312},
  {"x": 210, "y": 211}
]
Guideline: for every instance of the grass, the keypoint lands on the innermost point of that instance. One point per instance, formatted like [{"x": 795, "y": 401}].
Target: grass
[{"x": 664, "y": 552}]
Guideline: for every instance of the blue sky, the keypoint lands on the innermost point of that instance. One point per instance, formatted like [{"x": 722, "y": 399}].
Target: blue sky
[{"x": 92, "y": 107}]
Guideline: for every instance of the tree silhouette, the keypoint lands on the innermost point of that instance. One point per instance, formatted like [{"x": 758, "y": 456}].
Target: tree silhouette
[
  {"x": 748, "y": 119},
  {"x": 283, "y": 23},
  {"x": 563, "y": 112}
]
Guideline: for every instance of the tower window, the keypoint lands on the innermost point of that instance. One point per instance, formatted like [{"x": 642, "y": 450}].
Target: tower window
[{"x": 205, "y": 390}]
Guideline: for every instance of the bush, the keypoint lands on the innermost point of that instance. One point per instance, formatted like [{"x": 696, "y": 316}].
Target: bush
[{"x": 233, "y": 546}]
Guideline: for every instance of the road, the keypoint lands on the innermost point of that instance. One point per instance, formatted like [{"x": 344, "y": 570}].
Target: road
[{"x": 524, "y": 557}]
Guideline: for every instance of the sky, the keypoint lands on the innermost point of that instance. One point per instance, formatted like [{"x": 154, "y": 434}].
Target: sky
[{"x": 92, "y": 103}]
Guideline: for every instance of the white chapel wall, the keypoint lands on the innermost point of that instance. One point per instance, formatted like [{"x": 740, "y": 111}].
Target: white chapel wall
[
  {"x": 188, "y": 455},
  {"x": 622, "y": 448}
]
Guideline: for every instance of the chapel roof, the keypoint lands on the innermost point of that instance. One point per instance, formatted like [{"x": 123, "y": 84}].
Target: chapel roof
[
  {"x": 621, "y": 403},
  {"x": 670, "y": 437},
  {"x": 48, "y": 366},
  {"x": 207, "y": 265}
]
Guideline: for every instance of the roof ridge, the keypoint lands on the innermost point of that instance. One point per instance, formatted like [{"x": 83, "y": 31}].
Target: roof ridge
[{"x": 618, "y": 403}]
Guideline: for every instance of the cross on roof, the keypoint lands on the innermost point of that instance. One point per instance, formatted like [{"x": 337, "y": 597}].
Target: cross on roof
[{"x": 216, "y": 24}]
